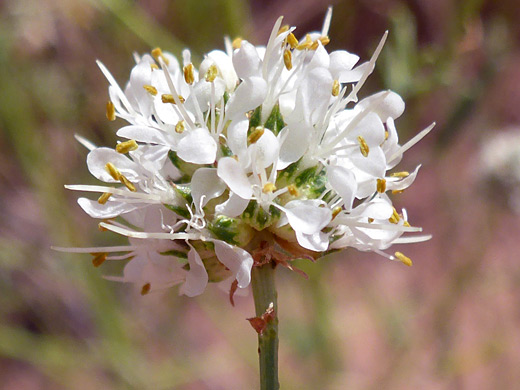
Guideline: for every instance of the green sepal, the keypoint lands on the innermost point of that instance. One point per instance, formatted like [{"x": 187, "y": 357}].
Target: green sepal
[
  {"x": 258, "y": 218},
  {"x": 231, "y": 230},
  {"x": 179, "y": 210},
  {"x": 255, "y": 120},
  {"x": 275, "y": 121}
]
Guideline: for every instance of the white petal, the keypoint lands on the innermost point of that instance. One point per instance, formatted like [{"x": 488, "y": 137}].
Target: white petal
[
  {"x": 110, "y": 209},
  {"x": 371, "y": 129},
  {"x": 265, "y": 150},
  {"x": 197, "y": 147},
  {"x": 306, "y": 216},
  {"x": 205, "y": 183},
  {"x": 246, "y": 61},
  {"x": 98, "y": 158},
  {"x": 197, "y": 277},
  {"x": 237, "y": 136},
  {"x": 403, "y": 183},
  {"x": 318, "y": 242},
  {"x": 296, "y": 140},
  {"x": 237, "y": 260},
  {"x": 249, "y": 95},
  {"x": 341, "y": 61},
  {"x": 225, "y": 67},
  {"x": 392, "y": 106},
  {"x": 232, "y": 207},
  {"x": 234, "y": 176},
  {"x": 343, "y": 181}
]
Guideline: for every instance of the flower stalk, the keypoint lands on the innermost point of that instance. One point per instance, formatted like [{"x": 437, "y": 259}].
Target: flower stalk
[{"x": 266, "y": 308}]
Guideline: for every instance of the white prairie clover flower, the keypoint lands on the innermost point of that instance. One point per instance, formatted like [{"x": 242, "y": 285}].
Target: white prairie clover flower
[{"x": 261, "y": 151}]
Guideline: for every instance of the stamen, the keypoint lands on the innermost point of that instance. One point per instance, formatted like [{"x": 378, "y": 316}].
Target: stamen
[
  {"x": 292, "y": 40},
  {"x": 179, "y": 127},
  {"x": 154, "y": 66},
  {"x": 305, "y": 44},
  {"x": 283, "y": 29},
  {"x": 363, "y": 147},
  {"x": 211, "y": 74},
  {"x": 335, "y": 211},
  {"x": 314, "y": 45},
  {"x": 255, "y": 135},
  {"x": 101, "y": 228},
  {"x": 403, "y": 259},
  {"x": 111, "y": 111},
  {"x": 189, "y": 75},
  {"x": 406, "y": 223},
  {"x": 397, "y": 192},
  {"x": 104, "y": 198},
  {"x": 287, "y": 59},
  {"x": 381, "y": 186},
  {"x": 268, "y": 188},
  {"x": 99, "y": 258},
  {"x": 127, "y": 146},
  {"x": 400, "y": 174},
  {"x": 127, "y": 183},
  {"x": 387, "y": 134},
  {"x": 150, "y": 89},
  {"x": 237, "y": 43},
  {"x": 293, "y": 190},
  {"x": 395, "y": 217},
  {"x": 325, "y": 40},
  {"x": 168, "y": 98},
  {"x": 335, "y": 88},
  {"x": 146, "y": 288},
  {"x": 370, "y": 220},
  {"x": 157, "y": 53},
  {"x": 114, "y": 172}
]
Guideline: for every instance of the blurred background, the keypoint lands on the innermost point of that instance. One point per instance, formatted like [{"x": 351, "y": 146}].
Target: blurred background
[{"x": 450, "y": 322}]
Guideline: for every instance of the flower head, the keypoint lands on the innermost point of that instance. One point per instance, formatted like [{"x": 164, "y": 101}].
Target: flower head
[{"x": 259, "y": 153}]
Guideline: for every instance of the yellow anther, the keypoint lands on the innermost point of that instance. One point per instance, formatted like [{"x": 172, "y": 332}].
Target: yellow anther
[
  {"x": 363, "y": 146},
  {"x": 127, "y": 183},
  {"x": 150, "y": 89},
  {"x": 381, "y": 186},
  {"x": 397, "y": 192},
  {"x": 406, "y": 223},
  {"x": 189, "y": 75},
  {"x": 255, "y": 135},
  {"x": 314, "y": 45},
  {"x": 211, "y": 74},
  {"x": 325, "y": 40},
  {"x": 335, "y": 88},
  {"x": 99, "y": 258},
  {"x": 111, "y": 111},
  {"x": 157, "y": 53},
  {"x": 127, "y": 146},
  {"x": 400, "y": 174},
  {"x": 168, "y": 98},
  {"x": 179, "y": 127},
  {"x": 268, "y": 188},
  {"x": 104, "y": 197},
  {"x": 237, "y": 43},
  {"x": 403, "y": 259},
  {"x": 287, "y": 59},
  {"x": 292, "y": 40},
  {"x": 395, "y": 218},
  {"x": 102, "y": 228},
  {"x": 370, "y": 220},
  {"x": 146, "y": 288},
  {"x": 114, "y": 172},
  {"x": 283, "y": 29},
  {"x": 154, "y": 66},
  {"x": 335, "y": 211},
  {"x": 293, "y": 190},
  {"x": 306, "y": 44},
  {"x": 387, "y": 134}
]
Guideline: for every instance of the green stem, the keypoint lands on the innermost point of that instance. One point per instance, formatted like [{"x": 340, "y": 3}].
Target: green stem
[{"x": 264, "y": 293}]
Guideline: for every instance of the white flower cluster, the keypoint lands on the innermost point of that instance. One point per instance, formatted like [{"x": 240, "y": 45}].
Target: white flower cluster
[{"x": 261, "y": 146}]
